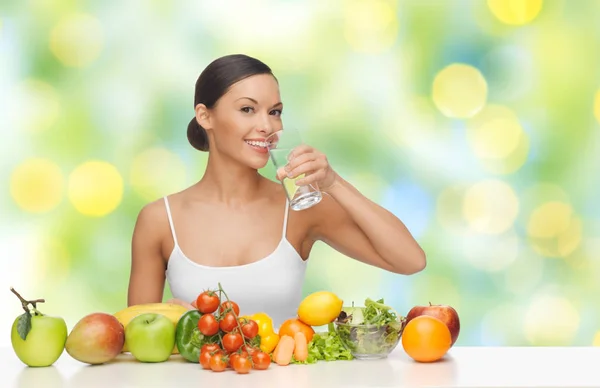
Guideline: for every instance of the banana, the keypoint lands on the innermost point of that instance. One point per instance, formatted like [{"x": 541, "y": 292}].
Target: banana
[{"x": 169, "y": 310}]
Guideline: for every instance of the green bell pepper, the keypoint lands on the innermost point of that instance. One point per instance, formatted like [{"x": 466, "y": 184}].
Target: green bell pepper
[{"x": 189, "y": 339}]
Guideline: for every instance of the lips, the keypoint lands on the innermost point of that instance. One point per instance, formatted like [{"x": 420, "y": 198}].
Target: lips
[{"x": 258, "y": 146}]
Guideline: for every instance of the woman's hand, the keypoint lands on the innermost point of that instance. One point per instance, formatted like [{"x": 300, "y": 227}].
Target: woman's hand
[
  {"x": 189, "y": 306},
  {"x": 306, "y": 160}
]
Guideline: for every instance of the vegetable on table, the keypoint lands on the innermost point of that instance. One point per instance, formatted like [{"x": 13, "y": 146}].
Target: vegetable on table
[
  {"x": 301, "y": 347},
  {"x": 268, "y": 338},
  {"x": 373, "y": 329},
  {"x": 283, "y": 353},
  {"x": 326, "y": 346},
  {"x": 188, "y": 338}
]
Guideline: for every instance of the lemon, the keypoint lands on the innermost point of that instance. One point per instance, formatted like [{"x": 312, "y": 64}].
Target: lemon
[
  {"x": 319, "y": 308},
  {"x": 290, "y": 185}
]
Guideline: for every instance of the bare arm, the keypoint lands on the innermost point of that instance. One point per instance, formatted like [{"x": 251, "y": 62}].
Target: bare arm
[
  {"x": 147, "y": 278},
  {"x": 352, "y": 224}
]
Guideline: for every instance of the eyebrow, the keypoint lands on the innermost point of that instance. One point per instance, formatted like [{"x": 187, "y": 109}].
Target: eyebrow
[{"x": 256, "y": 102}]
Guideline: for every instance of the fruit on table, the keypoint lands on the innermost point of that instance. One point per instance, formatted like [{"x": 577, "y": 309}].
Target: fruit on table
[
  {"x": 444, "y": 313},
  {"x": 426, "y": 339},
  {"x": 319, "y": 308},
  {"x": 96, "y": 339},
  {"x": 37, "y": 339},
  {"x": 151, "y": 337},
  {"x": 268, "y": 337},
  {"x": 169, "y": 310},
  {"x": 293, "y": 326}
]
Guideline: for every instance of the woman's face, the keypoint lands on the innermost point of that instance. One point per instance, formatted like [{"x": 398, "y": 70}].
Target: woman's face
[{"x": 244, "y": 117}]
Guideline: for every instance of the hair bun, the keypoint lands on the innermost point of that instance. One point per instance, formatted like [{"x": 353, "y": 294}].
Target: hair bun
[{"x": 197, "y": 136}]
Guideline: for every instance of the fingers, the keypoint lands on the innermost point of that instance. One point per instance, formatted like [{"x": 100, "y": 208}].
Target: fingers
[
  {"x": 281, "y": 173},
  {"x": 311, "y": 179},
  {"x": 182, "y": 303},
  {"x": 304, "y": 168},
  {"x": 299, "y": 160},
  {"x": 299, "y": 150}
]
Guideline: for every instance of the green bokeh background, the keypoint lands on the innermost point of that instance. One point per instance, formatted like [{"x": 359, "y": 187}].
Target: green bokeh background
[{"x": 511, "y": 225}]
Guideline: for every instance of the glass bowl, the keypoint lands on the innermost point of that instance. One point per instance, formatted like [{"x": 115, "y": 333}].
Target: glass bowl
[{"x": 369, "y": 342}]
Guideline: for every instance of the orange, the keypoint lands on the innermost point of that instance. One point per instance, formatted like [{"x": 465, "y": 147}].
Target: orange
[
  {"x": 291, "y": 326},
  {"x": 426, "y": 339}
]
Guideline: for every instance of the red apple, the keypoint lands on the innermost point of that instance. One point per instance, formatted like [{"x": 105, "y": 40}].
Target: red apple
[
  {"x": 446, "y": 314},
  {"x": 97, "y": 338}
]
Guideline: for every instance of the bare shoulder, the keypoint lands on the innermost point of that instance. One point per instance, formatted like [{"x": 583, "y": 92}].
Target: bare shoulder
[{"x": 152, "y": 218}]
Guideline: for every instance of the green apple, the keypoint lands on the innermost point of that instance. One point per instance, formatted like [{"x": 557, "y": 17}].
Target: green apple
[
  {"x": 37, "y": 339},
  {"x": 150, "y": 337}
]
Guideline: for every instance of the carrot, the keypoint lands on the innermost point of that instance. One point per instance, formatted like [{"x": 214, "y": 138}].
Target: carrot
[
  {"x": 282, "y": 355},
  {"x": 301, "y": 349}
]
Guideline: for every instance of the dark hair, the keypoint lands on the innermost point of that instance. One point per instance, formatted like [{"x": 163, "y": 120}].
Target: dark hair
[{"x": 214, "y": 82}]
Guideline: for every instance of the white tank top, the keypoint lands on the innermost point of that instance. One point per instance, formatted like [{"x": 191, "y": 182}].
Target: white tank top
[{"x": 272, "y": 285}]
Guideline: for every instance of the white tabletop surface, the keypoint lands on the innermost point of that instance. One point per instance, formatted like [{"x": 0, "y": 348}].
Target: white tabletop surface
[{"x": 461, "y": 367}]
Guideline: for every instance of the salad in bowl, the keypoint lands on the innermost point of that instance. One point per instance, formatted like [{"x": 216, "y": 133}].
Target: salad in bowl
[{"x": 370, "y": 332}]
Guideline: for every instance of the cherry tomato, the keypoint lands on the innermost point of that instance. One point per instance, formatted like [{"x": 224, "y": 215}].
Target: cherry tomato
[
  {"x": 207, "y": 302},
  {"x": 228, "y": 323},
  {"x": 261, "y": 360},
  {"x": 232, "y": 342},
  {"x": 235, "y": 355},
  {"x": 210, "y": 348},
  {"x": 250, "y": 329},
  {"x": 205, "y": 360},
  {"x": 249, "y": 349},
  {"x": 218, "y": 362},
  {"x": 208, "y": 325},
  {"x": 228, "y": 306},
  {"x": 242, "y": 365}
]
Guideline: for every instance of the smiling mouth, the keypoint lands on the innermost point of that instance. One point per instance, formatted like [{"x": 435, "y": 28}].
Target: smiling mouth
[{"x": 261, "y": 144}]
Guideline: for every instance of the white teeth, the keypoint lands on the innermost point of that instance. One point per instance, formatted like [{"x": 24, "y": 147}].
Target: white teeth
[{"x": 257, "y": 143}]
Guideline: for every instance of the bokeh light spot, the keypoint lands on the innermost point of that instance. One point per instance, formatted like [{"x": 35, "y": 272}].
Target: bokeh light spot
[
  {"x": 95, "y": 188},
  {"x": 597, "y": 106},
  {"x": 554, "y": 229},
  {"x": 77, "y": 40},
  {"x": 549, "y": 219},
  {"x": 371, "y": 26},
  {"x": 596, "y": 340},
  {"x": 157, "y": 172},
  {"x": 37, "y": 185},
  {"x": 490, "y": 207},
  {"x": 496, "y": 137},
  {"x": 570, "y": 239},
  {"x": 459, "y": 91},
  {"x": 515, "y": 12},
  {"x": 551, "y": 321}
]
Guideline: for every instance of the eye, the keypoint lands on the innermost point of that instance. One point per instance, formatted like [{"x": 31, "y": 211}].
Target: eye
[
  {"x": 276, "y": 112},
  {"x": 247, "y": 109}
]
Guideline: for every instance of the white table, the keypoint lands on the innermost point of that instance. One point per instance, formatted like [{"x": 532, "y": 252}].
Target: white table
[{"x": 462, "y": 367}]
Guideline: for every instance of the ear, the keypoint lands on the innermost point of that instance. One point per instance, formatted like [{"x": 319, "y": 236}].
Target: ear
[{"x": 203, "y": 116}]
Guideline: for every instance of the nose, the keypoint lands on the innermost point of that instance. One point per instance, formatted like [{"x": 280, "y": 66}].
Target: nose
[{"x": 265, "y": 126}]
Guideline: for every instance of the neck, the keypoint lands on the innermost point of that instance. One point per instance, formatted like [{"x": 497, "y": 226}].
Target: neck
[{"x": 228, "y": 181}]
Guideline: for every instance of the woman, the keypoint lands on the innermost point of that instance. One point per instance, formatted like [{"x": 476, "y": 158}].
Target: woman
[{"x": 233, "y": 226}]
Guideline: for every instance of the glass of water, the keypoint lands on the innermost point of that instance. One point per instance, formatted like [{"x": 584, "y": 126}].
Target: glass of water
[{"x": 280, "y": 144}]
